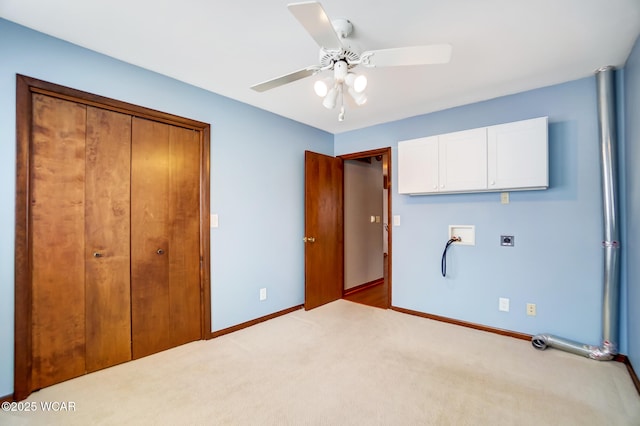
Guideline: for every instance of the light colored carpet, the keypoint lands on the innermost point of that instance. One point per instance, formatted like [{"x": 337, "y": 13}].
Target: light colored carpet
[{"x": 348, "y": 364}]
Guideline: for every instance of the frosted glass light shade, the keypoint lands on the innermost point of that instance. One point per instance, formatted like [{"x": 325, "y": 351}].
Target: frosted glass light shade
[
  {"x": 358, "y": 98},
  {"x": 360, "y": 84},
  {"x": 329, "y": 101},
  {"x": 321, "y": 89},
  {"x": 357, "y": 82}
]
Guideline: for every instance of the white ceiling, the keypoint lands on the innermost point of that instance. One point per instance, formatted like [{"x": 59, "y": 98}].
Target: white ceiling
[{"x": 225, "y": 46}]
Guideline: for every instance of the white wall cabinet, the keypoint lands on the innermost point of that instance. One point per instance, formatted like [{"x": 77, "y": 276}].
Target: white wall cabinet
[
  {"x": 512, "y": 156},
  {"x": 462, "y": 161},
  {"x": 518, "y": 155},
  {"x": 418, "y": 165}
]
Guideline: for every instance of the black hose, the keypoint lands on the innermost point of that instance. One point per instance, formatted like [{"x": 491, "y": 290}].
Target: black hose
[{"x": 443, "y": 262}]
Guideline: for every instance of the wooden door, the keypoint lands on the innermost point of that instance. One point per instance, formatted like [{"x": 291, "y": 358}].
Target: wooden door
[
  {"x": 80, "y": 239},
  {"x": 323, "y": 255},
  {"x": 57, "y": 240},
  {"x": 73, "y": 295},
  {"x": 165, "y": 243},
  {"x": 107, "y": 237}
]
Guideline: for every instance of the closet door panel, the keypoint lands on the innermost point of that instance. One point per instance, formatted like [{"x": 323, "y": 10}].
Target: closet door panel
[
  {"x": 150, "y": 251},
  {"x": 184, "y": 233},
  {"x": 57, "y": 239},
  {"x": 107, "y": 271}
]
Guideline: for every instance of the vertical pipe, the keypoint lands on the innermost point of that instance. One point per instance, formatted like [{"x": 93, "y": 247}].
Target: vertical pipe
[
  {"x": 605, "y": 83},
  {"x": 605, "y": 79}
]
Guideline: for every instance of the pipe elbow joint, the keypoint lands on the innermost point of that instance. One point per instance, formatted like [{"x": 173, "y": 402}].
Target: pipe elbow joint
[{"x": 606, "y": 352}]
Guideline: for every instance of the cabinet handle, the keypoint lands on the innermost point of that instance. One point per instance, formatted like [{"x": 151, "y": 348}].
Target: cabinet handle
[
  {"x": 309, "y": 239},
  {"x": 96, "y": 254},
  {"x": 160, "y": 251}
]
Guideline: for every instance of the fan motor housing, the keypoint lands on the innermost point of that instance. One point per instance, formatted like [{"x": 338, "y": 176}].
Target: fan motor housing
[
  {"x": 349, "y": 53},
  {"x": 329, "y": 57}
]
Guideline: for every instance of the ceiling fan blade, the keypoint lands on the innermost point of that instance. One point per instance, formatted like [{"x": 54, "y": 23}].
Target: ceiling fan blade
[
  {"x": 285, "y": 79},
  {"x": 314, "y": 19},
  {"x": 415, "y": 55}
]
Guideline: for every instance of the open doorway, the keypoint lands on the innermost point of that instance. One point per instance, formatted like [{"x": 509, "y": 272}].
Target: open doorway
[{"x": 367, "y": 234}]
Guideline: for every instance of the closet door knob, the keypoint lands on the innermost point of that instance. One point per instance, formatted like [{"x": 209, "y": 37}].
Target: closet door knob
[{"x": 160, "y": 251}]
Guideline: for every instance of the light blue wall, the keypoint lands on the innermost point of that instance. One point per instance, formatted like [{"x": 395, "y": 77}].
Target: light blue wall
[
  {"x": 257, "y": 190},
  {"x": 557, "y": 259},
  {"x": 257, "y": 171},
  {"x": 632, "y": 197}
]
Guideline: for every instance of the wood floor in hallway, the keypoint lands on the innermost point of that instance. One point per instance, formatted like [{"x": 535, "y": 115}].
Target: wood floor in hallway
[{"x": 376, "y": 296}]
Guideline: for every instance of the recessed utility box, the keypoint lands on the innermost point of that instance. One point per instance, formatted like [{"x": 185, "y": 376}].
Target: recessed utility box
[
  {"x": 507, "y": 240},
  {"x": 466, "y": 232}
]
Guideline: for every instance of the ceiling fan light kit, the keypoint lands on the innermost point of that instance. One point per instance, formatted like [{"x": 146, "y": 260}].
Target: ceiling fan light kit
[
  {"x": 339, "y": 56},
  {"x": 355, "y": 85}
]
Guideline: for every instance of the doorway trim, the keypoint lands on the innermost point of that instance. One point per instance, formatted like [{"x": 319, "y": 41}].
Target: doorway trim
[
  {"x": 25, "y": 87},
  {"x": 386, "y": 153}
]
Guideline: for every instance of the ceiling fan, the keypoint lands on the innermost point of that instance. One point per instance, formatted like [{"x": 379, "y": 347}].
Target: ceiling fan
[{"x": 340, "y": 55}]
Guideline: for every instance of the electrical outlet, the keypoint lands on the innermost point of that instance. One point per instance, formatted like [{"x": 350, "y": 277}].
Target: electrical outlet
[
  {"x": 531, "y": 309},
  {"x": 507, "y": 240},
  {"x": 263, "y": 294},
  {"x": 504, "y": 197},
  {"x": 503, "y": 304}
]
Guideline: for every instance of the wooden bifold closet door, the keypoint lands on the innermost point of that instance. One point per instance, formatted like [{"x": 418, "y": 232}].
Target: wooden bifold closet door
[
  {"x": 114, "y": 230},
  {"x": 165, "y": 237}
]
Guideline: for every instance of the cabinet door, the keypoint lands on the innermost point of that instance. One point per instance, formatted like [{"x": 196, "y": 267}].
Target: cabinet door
[
  {"x": 463, "y": 161},
  {"x": 418, "y": 166},
  {"x": 518, "y": 155}
]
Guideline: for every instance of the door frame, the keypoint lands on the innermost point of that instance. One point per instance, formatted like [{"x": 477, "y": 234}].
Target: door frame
[
  {"x": 25, "y": 87},
  {"x": 386, "y": 153}
]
